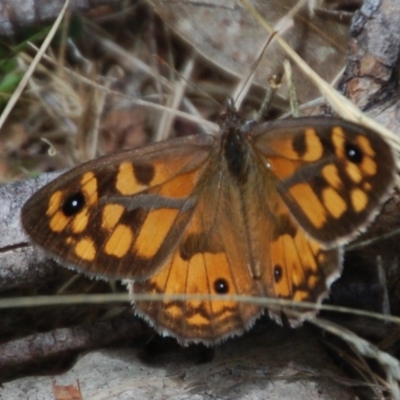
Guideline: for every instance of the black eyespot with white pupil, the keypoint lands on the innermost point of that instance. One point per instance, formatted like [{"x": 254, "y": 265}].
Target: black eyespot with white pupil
[
  {"x": 73, "y": 204},
  {"x": 278, "y": 272},
  {"x": 353, "y": 153},
  {"x": 221, "y": 286}
]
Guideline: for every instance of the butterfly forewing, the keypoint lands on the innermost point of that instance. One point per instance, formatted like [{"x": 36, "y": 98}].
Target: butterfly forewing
[
  {"x": 331, "y": 174},
  {"x": 121, "y": 215}
]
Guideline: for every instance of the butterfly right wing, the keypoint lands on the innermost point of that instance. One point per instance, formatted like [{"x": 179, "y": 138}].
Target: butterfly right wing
[{"x": 120, "y": 216}]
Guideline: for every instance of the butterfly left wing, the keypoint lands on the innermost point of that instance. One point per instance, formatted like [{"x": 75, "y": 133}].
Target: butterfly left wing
[{"x": 331, "y": 174}]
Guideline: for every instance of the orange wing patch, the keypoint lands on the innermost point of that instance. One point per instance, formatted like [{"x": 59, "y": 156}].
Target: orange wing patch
[
  {"x": 85, "y": 249},
  {"x": 154, "y": 231},
  {"x": 120, "y": 241},
  {"x": 89, "y": 188},
  {"x": 111, "y": 215},
  {"x": 315, "y": 212},
  {"x": 313, "y": 147},
  {"x": 333, "y": 202},
  {"x": 127, "y": 182}
]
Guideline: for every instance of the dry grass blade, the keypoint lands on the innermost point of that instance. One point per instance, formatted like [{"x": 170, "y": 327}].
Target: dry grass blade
[
  {"x": 390, "y": 364},
  {"x": 359, "y": 364},
  {"x": 24, "y": 81},
  {"x": 37, "y": 301},
  {"x": 167, "y": 119},
  {"x": 193, "y": 117}
]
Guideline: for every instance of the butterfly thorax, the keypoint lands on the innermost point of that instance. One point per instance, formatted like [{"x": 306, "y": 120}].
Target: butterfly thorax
[
  {"x": 235, "y": 147},
  {"x": 235, "y": 154}
]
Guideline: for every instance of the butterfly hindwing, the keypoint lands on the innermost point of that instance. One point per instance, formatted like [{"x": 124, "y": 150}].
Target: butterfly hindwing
[
  {"x": 213, "y": 258},
  {"x": 300, "y": 268},
  {"x": 290, "y": 265}
]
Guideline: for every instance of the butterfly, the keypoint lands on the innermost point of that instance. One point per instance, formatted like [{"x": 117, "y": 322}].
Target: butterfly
[{"x": 259, "y": 210}]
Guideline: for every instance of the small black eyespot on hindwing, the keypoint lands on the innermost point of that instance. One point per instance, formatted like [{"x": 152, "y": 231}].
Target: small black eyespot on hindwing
[
  {"x": 221, "y": 286},
  {"x": 278, "y": 272},
  {"x": 73, "y": 204},
  {"x": 353, "y": 153}
]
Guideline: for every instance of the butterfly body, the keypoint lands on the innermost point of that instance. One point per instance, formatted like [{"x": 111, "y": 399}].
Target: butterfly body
[{"x": 261, "y": 210}]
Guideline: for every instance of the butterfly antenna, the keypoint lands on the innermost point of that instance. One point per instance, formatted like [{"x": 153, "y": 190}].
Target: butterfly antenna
[
  {"x": 282, "y": 26},
  {"x": 244, "y": 84}
]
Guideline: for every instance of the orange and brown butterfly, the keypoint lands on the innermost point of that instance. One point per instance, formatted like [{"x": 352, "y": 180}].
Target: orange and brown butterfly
[{"x": 259, "y": 210}]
